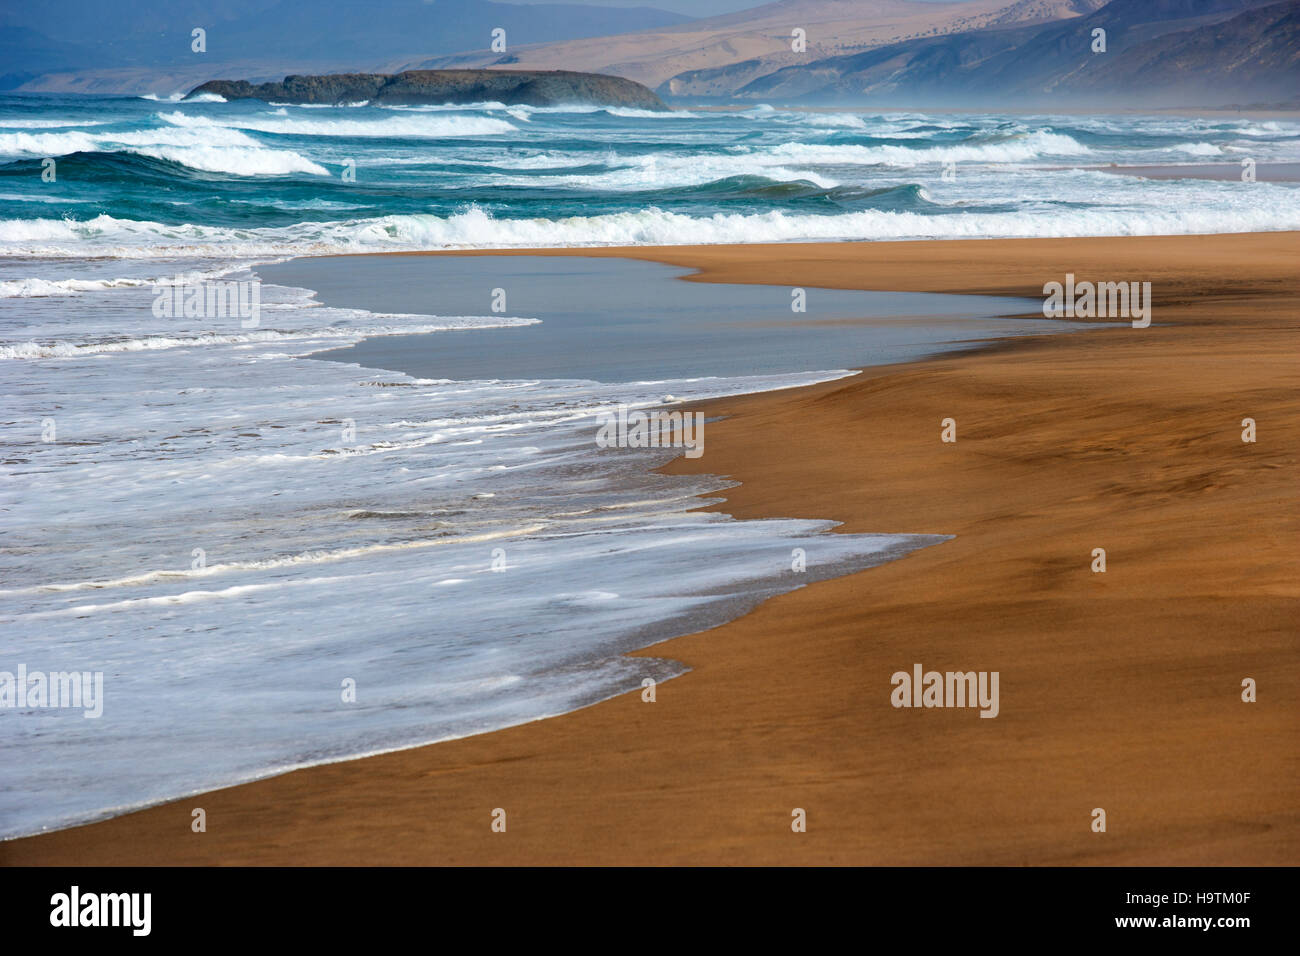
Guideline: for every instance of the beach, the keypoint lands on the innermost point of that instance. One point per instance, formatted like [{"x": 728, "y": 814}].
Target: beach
[{"x": 1120, "y": 690}]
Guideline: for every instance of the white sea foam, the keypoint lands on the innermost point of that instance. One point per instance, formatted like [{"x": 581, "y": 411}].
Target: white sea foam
[
  {"x": 525, "y": 110},
  {"x": 1200, "y": 149},
  {"x": 485, "y": 106},
  {"x": 417, "y": 126},
  {"x": 1264, "y": 207},
  {"x": 239, "y": 160},
  {"x": 667, "y": 172},
  {"x": 631, "y": 113},
  {"x": 213, "y": 149},
  {"x": 28, "y": 122},
  {"x": 317, "y": 106},
  {"x": 47, "y": 144},
  {"x": 35, "y": 350},
  {"x": 1012, "y": 149},
  {"x": 835, "y": 120},
  {"x": 1267, "y": 129},
  {"x": 41, "y": 288}
]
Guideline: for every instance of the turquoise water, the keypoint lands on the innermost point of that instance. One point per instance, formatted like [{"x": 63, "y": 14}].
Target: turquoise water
[{"x": 138, "y": 177}]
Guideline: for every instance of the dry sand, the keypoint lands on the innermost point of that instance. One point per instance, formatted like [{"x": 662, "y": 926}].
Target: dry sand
[{"x": 1119, "y": 690}]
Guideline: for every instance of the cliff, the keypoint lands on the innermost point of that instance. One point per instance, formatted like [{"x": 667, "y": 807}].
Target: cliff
[{"x": 416, "y": 87}]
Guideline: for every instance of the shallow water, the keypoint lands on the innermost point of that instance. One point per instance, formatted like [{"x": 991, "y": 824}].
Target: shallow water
[{"x": 616, "y": 320}]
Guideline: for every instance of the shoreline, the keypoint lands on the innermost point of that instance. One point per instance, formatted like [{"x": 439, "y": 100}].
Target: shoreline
[
  {"x": 948, "y": 266},
  {"x": 789, "y": 723}
]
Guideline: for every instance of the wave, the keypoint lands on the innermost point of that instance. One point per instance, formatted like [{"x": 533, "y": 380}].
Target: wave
[
  {"x": 834, "y": 120},
  {"x": 790, "y": 162},
  {"x": 40, "y": 288},
  {"x": 522, "y": 110},
  {"x": 1269, "y": 129},
  {"x": 667, "y": 171},
  {"x": 44, "y": 288},
  {"x": 237, "y": 160},
  {"x": 631, "y": 113},
  {"x": 63, "y": 349},
  {"x": 1017, "y": 148},
  {"x": 26, "y": 122},
  {"x": 481, "y": 106},
  {"x": 388, "y": 127},
  {"x": 264, "y": 564},
  {"x": 478, "y": 228},
  {"x": 56, "y": 200},
  {"x": 1199, "y": 149},
  {"x": 160, "y": 167},
  {"x": 79, "y": 141},
  {"x": 767, "y": 189},
  {"x": 322, "y": 106},
  {"x": 232, "y": 152}
]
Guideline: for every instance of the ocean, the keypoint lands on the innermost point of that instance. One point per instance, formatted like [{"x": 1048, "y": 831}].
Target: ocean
[
  {"x": 375, "y": 516},
  {"x": 141, "y": 178}
]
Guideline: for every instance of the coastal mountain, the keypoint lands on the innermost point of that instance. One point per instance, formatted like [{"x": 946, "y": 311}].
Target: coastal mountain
[
  {"x": 138, "y": 46},
  {"x": 761, "y": 39},
  {"x": 1157, "y": 52},
  {"x": 415, "y": 87},
  {"x": 977, "y": 54}
]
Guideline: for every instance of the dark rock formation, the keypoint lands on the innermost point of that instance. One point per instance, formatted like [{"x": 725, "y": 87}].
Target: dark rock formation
[{"x": 416, "y": 87}]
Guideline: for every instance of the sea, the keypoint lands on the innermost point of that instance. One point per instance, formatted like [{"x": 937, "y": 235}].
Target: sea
[{"x": 373, "y": 515}]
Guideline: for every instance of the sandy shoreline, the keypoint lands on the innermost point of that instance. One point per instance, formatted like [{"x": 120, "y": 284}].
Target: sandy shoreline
[{"x": 1118, "y": 690}]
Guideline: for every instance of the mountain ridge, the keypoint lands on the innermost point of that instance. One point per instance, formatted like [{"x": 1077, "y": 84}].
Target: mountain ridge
[
  {"x": 764, "y": 33},
  {"x": 1207, "y": 50}
]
